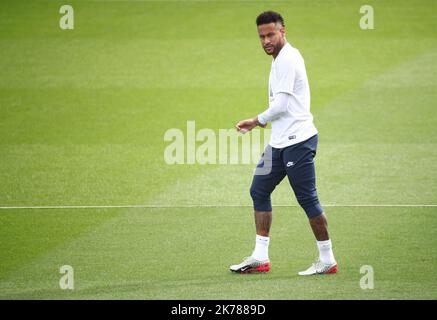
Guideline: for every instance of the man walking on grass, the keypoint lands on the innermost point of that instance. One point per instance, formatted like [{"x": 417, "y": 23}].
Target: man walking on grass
[{"x": 291, "y": 150}]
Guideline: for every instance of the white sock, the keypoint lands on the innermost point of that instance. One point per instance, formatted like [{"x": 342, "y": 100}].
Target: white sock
[
  {"x": 325, "y": 250},
  {"x": 261, "y": 251}
]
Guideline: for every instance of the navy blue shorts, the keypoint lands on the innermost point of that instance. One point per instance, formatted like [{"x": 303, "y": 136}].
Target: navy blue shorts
[{"x": 295, "y": 161}]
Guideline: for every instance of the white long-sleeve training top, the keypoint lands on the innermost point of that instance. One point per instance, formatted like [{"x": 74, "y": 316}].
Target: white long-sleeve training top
[{"x": 289, "y": 100}]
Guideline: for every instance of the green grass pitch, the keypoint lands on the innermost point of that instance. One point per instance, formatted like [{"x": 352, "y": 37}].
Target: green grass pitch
[{"x": 83, "y": 114}]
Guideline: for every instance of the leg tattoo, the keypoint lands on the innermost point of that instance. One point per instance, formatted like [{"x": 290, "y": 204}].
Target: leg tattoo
[
  {"x": 319, "y": 225},
  {"x": 263, "y": 221}
]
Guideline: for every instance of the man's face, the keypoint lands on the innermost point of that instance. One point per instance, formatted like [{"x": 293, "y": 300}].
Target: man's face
[{"x": 272, "y": 36}]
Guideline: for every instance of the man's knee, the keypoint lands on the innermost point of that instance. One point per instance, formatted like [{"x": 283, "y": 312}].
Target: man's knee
[
  {"x": 311, "y": 206},
  {"x": 261, "y": 199}
]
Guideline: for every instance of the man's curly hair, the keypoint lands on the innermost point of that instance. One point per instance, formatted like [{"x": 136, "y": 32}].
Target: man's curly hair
[{"x": 269, "y": 17}]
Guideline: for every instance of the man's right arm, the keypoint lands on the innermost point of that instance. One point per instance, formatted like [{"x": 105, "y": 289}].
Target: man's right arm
[{"x": 276, "y": 109}]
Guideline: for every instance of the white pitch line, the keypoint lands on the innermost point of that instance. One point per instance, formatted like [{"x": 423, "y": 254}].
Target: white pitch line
[{"x": 208, "y": 206}]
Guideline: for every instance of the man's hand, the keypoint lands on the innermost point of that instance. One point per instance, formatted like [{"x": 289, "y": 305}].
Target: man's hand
[{"x": 246, "y": 125}]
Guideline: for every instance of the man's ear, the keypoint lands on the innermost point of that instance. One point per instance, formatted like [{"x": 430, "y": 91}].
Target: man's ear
[{"x": 281, "y": 29}]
